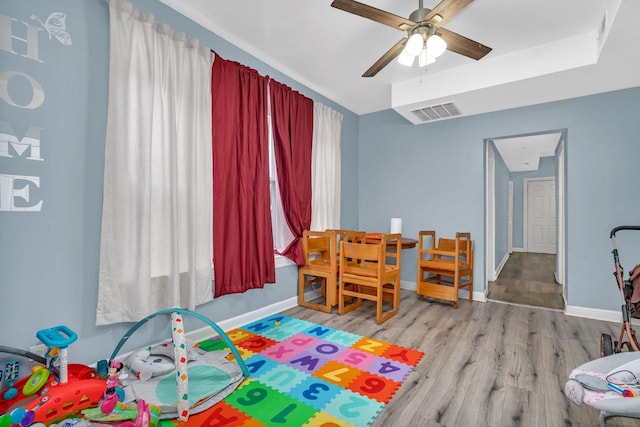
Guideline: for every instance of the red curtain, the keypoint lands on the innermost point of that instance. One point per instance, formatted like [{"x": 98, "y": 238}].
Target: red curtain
[
  {"x": 243, "y": 240},
  {"x": 292, "y": 121}
]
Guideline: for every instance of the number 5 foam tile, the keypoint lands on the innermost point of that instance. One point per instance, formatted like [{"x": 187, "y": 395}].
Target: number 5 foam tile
[{"x": 356, "y": 358}]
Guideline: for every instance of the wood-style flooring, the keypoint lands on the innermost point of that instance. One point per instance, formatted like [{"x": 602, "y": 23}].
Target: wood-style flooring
[
  {"x": 485, "y": 363},
  {"x": 528, "y": 279}
]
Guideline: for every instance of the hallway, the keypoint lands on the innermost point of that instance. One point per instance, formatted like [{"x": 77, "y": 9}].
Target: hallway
[{"x": 528, "y": 279}]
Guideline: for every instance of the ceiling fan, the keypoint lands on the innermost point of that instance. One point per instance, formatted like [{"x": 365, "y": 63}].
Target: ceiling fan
[{"x": 425, "y": 35}]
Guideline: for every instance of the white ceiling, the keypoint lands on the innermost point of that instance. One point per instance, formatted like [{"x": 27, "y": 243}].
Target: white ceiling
[
  {"x": 543, "y": 50},
  {"x": 523, "y": 153}
]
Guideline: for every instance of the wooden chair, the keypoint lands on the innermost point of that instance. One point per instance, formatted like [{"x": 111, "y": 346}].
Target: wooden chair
[
  {"x": 444, "y": 269},
  {"x": 319, "y": 250},
  {"x": 351, "y": 236},
  {"x": 370, "y": 271}
]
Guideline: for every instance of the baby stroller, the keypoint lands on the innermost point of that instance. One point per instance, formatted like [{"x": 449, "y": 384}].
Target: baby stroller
[
  {"x": 605, "y": 383},
  {"x": 607, "y": 345}
]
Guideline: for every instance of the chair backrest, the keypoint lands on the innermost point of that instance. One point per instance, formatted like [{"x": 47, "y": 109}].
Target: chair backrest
[
  {"x": 351, "y": 236},
  {"x": 372, "y": 259},
  {"x": 459, "y": 249},
  {"x": 319, "y": 247},
  {"x": 361, "y": 259}
]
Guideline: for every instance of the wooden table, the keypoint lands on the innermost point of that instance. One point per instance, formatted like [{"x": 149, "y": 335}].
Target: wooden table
[{"x": 406, "y": 243}]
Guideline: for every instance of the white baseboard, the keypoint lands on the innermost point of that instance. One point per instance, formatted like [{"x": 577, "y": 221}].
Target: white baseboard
[
  {"x": 243, "y": 319},
  {"x": 410, "y": 286},
  {"x": 517, "y": 250},
  {"x": 557, "y": 279},
  {"x": 501, "y": 265},
  {"x": 593, "y": 313},
  {"x": 479, "y": 296},
  {"x": 598, "y": 314}
]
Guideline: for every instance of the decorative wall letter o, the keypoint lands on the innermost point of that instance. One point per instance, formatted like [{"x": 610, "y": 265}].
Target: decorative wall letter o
[{"x": 37, "y": 97}]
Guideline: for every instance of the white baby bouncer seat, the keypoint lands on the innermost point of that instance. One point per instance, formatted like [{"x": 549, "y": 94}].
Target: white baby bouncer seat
[{"x": 594, "y": 384}]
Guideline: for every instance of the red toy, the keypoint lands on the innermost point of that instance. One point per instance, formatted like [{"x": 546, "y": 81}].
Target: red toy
[{"x": 49, "y": 398}]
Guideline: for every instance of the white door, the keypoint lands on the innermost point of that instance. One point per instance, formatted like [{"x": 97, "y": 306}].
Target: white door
[{"x": 541, "y": 216}]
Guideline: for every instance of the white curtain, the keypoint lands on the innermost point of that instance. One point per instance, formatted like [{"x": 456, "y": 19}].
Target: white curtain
[
  {"x": 156, "y": 243},
  {"x": 325, "y": 168},
  {"x": 282, "y": 235}
]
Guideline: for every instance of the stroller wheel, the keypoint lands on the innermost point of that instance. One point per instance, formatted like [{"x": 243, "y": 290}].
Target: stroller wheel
[{"x": 606, "y": 345}]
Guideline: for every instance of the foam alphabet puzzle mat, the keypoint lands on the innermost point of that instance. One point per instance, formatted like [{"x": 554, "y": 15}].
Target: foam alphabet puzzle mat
[{"x": 307, "y": 374}]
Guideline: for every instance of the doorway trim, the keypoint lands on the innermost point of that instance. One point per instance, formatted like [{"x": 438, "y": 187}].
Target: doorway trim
[
  {"x": 560, "y": 260},
  {"x": 490, "y": 202},
  {"x": 489, "y": 156},
  {"x": 510, "y": 217}
]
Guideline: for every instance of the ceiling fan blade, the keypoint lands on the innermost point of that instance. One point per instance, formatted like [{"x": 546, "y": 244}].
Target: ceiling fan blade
[
  {"x": 446, "y": 9},
  {"x": 374, "y": 14},
  {"x": 462, "y": 45},
  {"x": 386, "y": 58}
]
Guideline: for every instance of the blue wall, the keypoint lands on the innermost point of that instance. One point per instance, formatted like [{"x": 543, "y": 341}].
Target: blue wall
[
  {"x": 431, "y": 175},
  {"x": 434, "y": 178},
  {"x": 49, "y": 256}
]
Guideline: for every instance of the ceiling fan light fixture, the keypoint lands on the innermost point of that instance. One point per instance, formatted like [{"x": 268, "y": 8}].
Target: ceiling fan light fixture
[
  {"x": 425, "y": 58},
  {"x": 436, "y": 45},
  {"x": 406, "y": 59},
  {"x": 414, "y": 44},
  {"x": 422, "y": 22}
]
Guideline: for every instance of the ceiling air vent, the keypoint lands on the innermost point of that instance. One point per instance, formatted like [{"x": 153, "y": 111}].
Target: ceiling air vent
[{"x": 436, "y": 112}]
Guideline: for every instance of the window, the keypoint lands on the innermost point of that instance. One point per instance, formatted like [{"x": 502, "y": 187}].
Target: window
[{"x": 278, "y": 223}]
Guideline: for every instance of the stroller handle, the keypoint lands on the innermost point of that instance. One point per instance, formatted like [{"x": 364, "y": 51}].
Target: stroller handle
[{"x": 623, "y": 227}]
